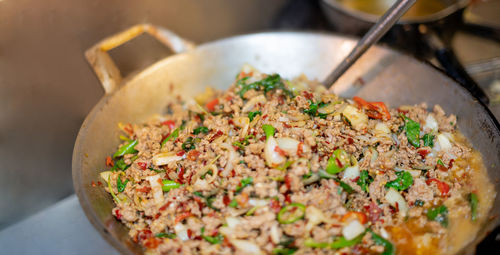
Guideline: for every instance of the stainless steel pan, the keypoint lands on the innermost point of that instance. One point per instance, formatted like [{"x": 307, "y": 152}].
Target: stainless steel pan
[{"x": 381, "y": 74}]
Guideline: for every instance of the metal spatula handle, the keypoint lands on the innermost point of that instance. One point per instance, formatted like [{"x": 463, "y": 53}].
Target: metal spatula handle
[{"x": 376, "y": 32}]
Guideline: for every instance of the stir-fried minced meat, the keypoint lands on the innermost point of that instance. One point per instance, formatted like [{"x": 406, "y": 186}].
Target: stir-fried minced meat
[{"x": 282, "y": 167}]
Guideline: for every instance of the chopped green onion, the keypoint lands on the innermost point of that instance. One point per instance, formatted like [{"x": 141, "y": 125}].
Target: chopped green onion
[
  {"x": 128, "y": 148},
  {"x": 285, "y": 165},
  {"x": 473, "y": 200},
  {"x": 120, "y": 186},
  {"x": 388, "y": 247},
  {"x": 169, "y": 185},
  {"x": 268, "y": 130},
  {"x": 189, "y": 144},
  {"x": 439, "y": 214},
  {"x": 342, "y": 242},
  {"x": 338, "y": 162},
  {"x": 200, "y": 129},
  {"x": 291, "y": 213},
  {"x": 233, "y": 203},
  {"x": 440, "y": 162},
  {"x": 251, "y": 115},
  {"x": 124, "y": 138},
  {"x": 172, "y": 135},
  {"x": 211, "y": 239},
  {"x": 313, "y": 244},
  {"x": 403, "y": 182},
  {"x": 166, "y": 235},
  {"x": 120, "y": 164},
  {"x": 112, "y": 192},
  {"x": 364, "y": 180},
  {"x": 344, "y": 186},
  {"x": 284, "y": 251}
]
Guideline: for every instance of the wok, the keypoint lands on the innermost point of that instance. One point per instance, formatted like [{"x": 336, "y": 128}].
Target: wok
[{"x": 386, "y": 74}]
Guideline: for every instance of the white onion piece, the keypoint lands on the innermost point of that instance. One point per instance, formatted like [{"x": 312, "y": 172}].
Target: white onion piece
[
  {"x": 272, "y": 157},
  {"x": 358, "y": 119},
  {"x": 393, "y": 197},
  {"x": 246, "y": 246},
  {"x": 381, "y": 129},
  {"x": 105, "y": 175},
  {"x": 166, "y": 157},
  {"x": 327, "y": 109},
  {"x": 257, "y": 202},
  {"x": 181, "y": 232},
  {"x": 275, "y": 234},
  {"x": 352, "y": 229},
  {"x": 288, "y": 144},
  {"x": 414, "y": 173},
  {"x": 351, "y": 172},
  {"x": 444, "y": 142},
  {"x": 232, "y": 155},
  {"x": 232, "y": 222},
  {"x": 252, "y": 102},
  {"x": 384, "y": 233},
  {"x": 155, "y": 182},
  {"x": 243, "y": 123},
  {"x": 314, "y": 217},
  {"x": 431, "y": 124}
]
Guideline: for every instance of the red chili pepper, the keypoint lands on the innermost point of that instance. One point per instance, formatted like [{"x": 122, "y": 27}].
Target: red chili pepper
[
  {"x": 288, "y": 198},
  {"x": 360, "y": 216},
  {"x": 350, "y": 140},
  {"x": 211, "y": 105},
  {"x": 300, "y": 149},
  {"x": 374, "y": 212},
  {"x": 217, "y": 134},
  {"x": 142, "y": 165},
  {"x": 190, "y": 233},
  {"x": 280, "y": 151},
  {"x": 264, "y": 117},
  {"x": 152, "y": 243},
  {"x": 164, "y": 207},
  {"x": 128, "y": 129},
  {"x": 288, "y": 182},
  {"x": 169, "y": 123},
  {"x": 242, "y": 199},
  {"x": 275, "y": 205},
  {"x": 144, "y": 234},
  {"x": 109, "y": 161},
  {"x": 442, "y": 186},
  {"x": 143, "y": 189},
  {"x": 243, "y": 74},
  {"x": 450, "y": 164},
  {"x": 308, "y": 95},
  {"x": 226, "y": 200},
  {"x": 117, "y": 214},
  {"x": 374, "y": 110},
  {"x": 182, "y": 216},
  {"x": 180, "y": 176},
  {"x": 92, "y": 184},
  {"x": 180, "y": 153},
  {"x": 423, "y": 152},
  {"x": 193, "y": 154}
]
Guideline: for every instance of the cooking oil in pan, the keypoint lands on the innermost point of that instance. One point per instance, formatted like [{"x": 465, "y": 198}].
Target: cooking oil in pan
[{"x": 378, "y": 7}]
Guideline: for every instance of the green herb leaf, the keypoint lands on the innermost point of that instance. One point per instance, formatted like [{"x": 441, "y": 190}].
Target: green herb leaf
[
  {"x": 428, "y": 140},
  {"x": 285, "y": 165},
  {"x": 251, "y": 115},
  {"x": 474, "y": 201},
  {"x": 439, "y": 214},
  {"x": 211, "y": 239},
  {"x": 243, "y": 183},
  {"x": 271, "y": 82},
  {"x": 342, "y": 242},
  {"x": 344, "y": 186},
  {"x": 412, "y": 129},
  {"x": 313, "y": 244},
  {"x": 284, "y": 251},
  {"x": 189, "y": 144},
  {"x": 268, "y": 130},
  {"x": 440, "y": 162},
  {"x": 128, "y": 148},
  {"x": 364, "y": 180},
  {"x": 200, "y": 129},
  {"x": 233, "y": 203},
  {"x": 403, "y": 182},
  {"x": 169, "y": 185},
  {"x": 120, "y": 164},
  {"x": 313, "y": 109}
]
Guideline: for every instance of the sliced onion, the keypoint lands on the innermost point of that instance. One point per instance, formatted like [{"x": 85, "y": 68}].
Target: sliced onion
[
  {"x": 393, "y": 197},
  {"x": 431, "y": 124},
  {"x": 105, "y": 175},
  {"x": 257, "y": 202},
  {"x": 288, "y": 144},
  {"x": 181, "y": 231},
  {"x": 314, "y": 217},
  {"x": 250, "y": 105},
  {"x": 327, "y": 109},
  {"x": 275, "y": 234},
  {"x": 273, "y": 158},
  {"x": 232, "y": 156},
  {"x": 352, "y": 229},
  {"x": 381, "y": 129},
  {"x": 384, "y": 233},
  {"x": 232, "y": 222},
  {"x": 444, "y": 142},
  {"x": 243, "y": 123},
  {"x": 166, "y": 157},
  {"x": 155, "y": 182},
  {"x": 246, "y": 246},
  {"x": 357, "y": 118},
  {"x": 351, "y": 172}
]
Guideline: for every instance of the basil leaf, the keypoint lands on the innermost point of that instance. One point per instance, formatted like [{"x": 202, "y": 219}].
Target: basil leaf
[
  {"x": 428, "y": 140},
  {"x": 364, "y": 180},
  {"x": 412, "y": 129},
  {"x": 403, "y": 182},
  {"x": 251, "y": 115},
  {"x": 439, "y": 214},
  {"x": 200, "y": 129}
]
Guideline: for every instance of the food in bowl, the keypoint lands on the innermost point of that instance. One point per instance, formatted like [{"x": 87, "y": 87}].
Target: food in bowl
[{"x": 272, "y": 166}]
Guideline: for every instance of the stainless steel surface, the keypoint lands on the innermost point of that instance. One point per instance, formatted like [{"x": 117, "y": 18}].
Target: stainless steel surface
[
  {"x": 388, "y": 76},
  {"x": 47, "y": 88},
  {"x": 59, "y": 229},
  {"x": 371, "y": 37}
]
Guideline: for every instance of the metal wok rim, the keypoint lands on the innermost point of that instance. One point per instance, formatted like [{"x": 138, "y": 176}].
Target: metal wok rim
[
  {"x": 372, "y": 18},
  {"x": 78, "y": 155}
]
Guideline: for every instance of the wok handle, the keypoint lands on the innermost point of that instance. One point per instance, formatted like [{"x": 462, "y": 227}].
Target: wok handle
[
  {"x": 104, "y": 66},
  {"x": 451, "y": 65}
]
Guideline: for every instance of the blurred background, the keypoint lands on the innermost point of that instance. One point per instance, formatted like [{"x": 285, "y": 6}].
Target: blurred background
[{"x": 47, "y": 88}]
